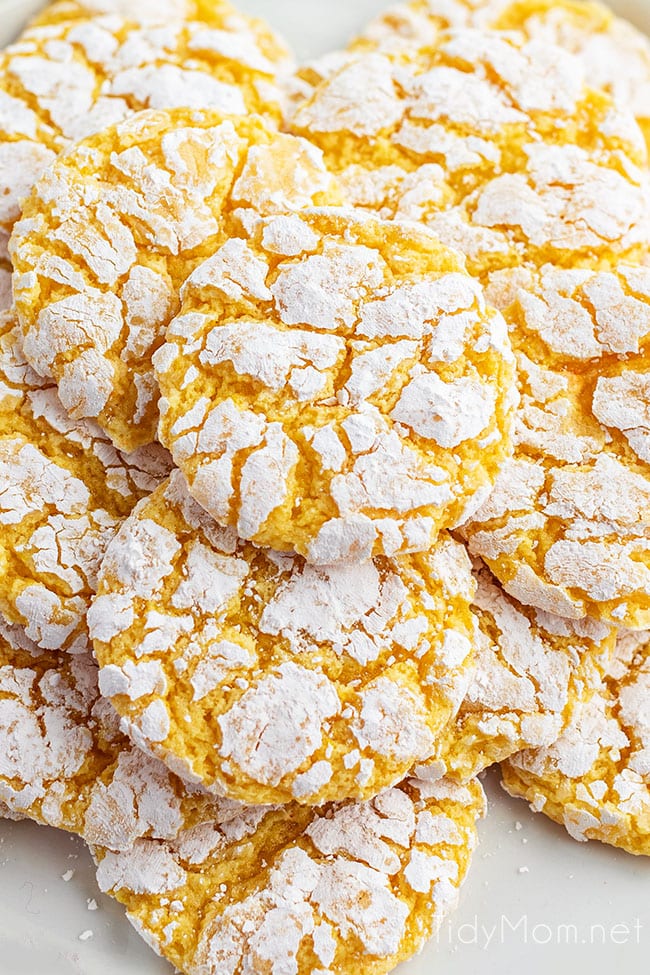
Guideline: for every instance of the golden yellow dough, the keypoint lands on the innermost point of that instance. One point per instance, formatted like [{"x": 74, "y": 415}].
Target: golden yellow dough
[
  {"x": 529, "y": 669},
  {"x": 336, "y": 386},
  {"x": 113, "y": 228},
  {"x": 595, "y": 780},
  {"x": 267, "y": 679},
  {"x": 616, "y": 55},
  {"x": 496, "y": 143},
  {"x": 64, "y": 80},
  {"x": 64, "y": 490},
  {"x": 344, "y": 889},
  {"x": 66, "y": 764}
]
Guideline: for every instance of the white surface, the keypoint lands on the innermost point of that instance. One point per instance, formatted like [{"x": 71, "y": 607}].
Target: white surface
[{"x": 536, "y": 901}]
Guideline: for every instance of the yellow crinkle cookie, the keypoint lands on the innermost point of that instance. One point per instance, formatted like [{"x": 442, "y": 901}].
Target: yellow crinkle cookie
[
  {"x": 567, "y": 527},
  {"x": 336, "y": 385},
  {"x": 64, "y": 490},
  {"x": 64, "y": 81},
  {"x": 492, "y": 141},
  {"x": 114, "y": 227},
  {"x": 267, "y": 679},
  {"x": 615, "y": 54},
  {"x": 340, "y": 889},
  {"x": 65, "y": 762},
  {"x": 529, "y": 669},
  {"x": 595, "y": 780},
  {"x": 497, "y": 145}
]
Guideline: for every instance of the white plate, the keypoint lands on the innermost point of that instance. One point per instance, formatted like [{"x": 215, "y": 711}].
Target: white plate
[{"x": 536, "y": 901}]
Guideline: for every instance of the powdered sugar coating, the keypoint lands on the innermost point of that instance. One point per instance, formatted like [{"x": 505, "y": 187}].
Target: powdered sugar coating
[
  {"x": 616, "y": 55},
  {"x": 302, "y": 889},
  {"x": 64, "y": 490},
  {"x": 566, "y": 528},
  {"x": 113, "y": 229},
  {"x": 336, "y": 386},
  {"x": 530, "y": 667},
  {"x": 65, "y": 762},
  {"x": 595, "y": 779},
  {"x": 68, "y": 77},
  {"x": 268, "y": 679}
]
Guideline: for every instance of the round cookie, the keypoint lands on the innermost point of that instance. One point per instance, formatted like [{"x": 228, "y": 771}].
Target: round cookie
[
  {"x": 62, "y": 82},
  {"x": 270, "y": 680},
  {"x": 492, "y": 141},
  {"x": 65, "y": 762},
  {"x": 567, "y": 527},
  {"x": 64, "y": 490},
  {"x": 615, "y": 54},
  {"x": 595, "y": 780},
  {"x": 340, "y": 889},
  {"x": 336, "y": 386},
  {"x": 115, "y": 226},
  {"x": 530, "y": 667}
]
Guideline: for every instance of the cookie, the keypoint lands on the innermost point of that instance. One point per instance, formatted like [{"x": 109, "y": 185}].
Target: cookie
[
  {"x": 595, "y": 780},
  {"x": 340, "y": 889},
  {"x": 65, "y": 762},
  {"x": 492, "y": 141},
  {"x": 270, "y": 680},
  {"x": 553, "y": 214},
  {"x": 64, "y": 81},
  {"x": 530, "y": 667},
  {"x": 336, "y": 386},
  {"x": 115, "y": 226},
  {"x": 64, "y": 491},
  {"x": 567, "y": 527},
  {"x": 615, "y": 54}
]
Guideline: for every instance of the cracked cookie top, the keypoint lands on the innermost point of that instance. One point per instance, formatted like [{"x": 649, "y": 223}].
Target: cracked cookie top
[
  {"x": 615, "y": 54},
  {"x": 267, "y": 679},
  {"x": 336, "y": 386},
  {"x": 567, "y": 527}
]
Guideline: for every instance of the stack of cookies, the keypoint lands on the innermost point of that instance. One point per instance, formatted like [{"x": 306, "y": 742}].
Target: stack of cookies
[{"x": 324, "y": 459}]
